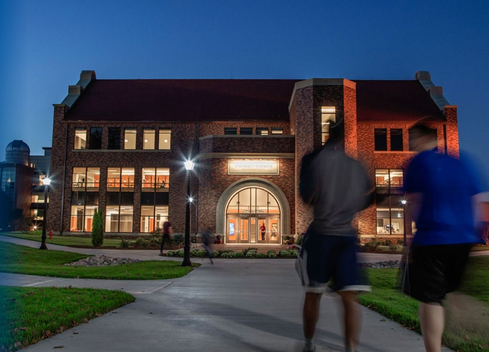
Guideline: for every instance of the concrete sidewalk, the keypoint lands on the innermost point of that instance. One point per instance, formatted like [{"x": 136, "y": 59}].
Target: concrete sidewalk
[{"x": 229, "y": 306}]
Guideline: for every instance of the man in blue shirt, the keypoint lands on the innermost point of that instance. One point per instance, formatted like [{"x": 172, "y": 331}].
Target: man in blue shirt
[{"x": 441, "y": 192}]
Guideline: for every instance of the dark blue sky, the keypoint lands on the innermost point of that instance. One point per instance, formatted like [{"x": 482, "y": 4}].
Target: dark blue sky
[{"x": 45, "y": 45}]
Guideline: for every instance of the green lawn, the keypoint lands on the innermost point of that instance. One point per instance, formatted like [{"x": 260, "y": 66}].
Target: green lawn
[
  {"x": 33, "y": 314},
  {"x": 64, "y": 240},
  {"x": 467, "y": 327},
  {"x": 25, "y": 260}
]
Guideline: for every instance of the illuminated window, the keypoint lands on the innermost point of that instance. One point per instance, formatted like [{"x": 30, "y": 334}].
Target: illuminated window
[
  {"x": 385, "y": 178},
  {"x": 118, "y": 218},
  {"x": 80, "y": 138},
  {"x": 164, "y": 140},
  {"x": 155, "y": 179},
  {"x": 120, "y": 179},
  {"x": 86, "y": 179},
  {"x": 262, "y": 131},
  {"x": 149, "y": 138},
  {"x": 81, "y": 219},
  {"x": 328, "y": 116},
  {"x": 277, "y": 130},
  {"x": 390, "y": 215},
  {"x": 129, "y": 138},
  {"x": 153, "y": 217}
]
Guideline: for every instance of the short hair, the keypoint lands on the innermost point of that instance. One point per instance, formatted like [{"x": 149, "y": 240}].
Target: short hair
[{"x": 423, "y": 130}]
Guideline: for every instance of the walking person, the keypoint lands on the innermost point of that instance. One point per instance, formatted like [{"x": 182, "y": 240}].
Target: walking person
[
  {"x": 337, "y": 187},
  {"x": 207, "y": 241},
  {"x": 441, "y": 193},
  {"x": 167, "y": 231}
]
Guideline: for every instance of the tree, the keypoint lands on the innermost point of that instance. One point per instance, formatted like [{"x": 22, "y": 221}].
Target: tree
[{"x": 98, "y": 229}]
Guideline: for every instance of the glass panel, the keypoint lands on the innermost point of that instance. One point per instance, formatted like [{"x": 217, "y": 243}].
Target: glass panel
[
  {"x": 328, "y": 115},
  {"x": 149, "y": 179},
  {"x": 112, "y": 219},
  {"x": 397, "y": 221},
  {"x": 149, "y": 139},
  {"x": 129, "y": 139},
  {"x": 381, "y": 139},
  {"x": 79, "y": 178},
  {"x": 80, "y": 138},
  {"x": 113, "y": 179},
  {"x": 263, "y": 230},
  {"x": 273, "y": 207},
  {"x": 230, "y": 130},
  {"x": 76, "y": 221},
  {"x": 261, "y": 201},
  {"x": 274, "y": 229},
  {"x": 161, "y": 214},
  {"x": 243, "y": 234},
  {"x": 383, "y": 221},
  {"x": 396, "y": 177},
  {"x": 162, "y": 179},
  {"x": 396, "y": 139},
  {"x": 147, "y": 219},
  {"x": 114, "y": 138},
  {"x": 127, "y": 178},
  {"x": 232, "y": 230},
  {"x": 262, "y": 131},
  {"x": 253, "y": 230},
  {"x": 382, "y": 177},
  {"x": 246, "y": 130},
  {"x": 233, "y": 205},
  {"x": 245, "y": 201},
  {"x": 126, "y": 219},
  {"x": 89, "y": 212},
  {"x": 164, "y": 142},
  {"x": 93, "y": 178},
  {"x": 277, "y": 130},
  {"x": 95, "y": 138}
]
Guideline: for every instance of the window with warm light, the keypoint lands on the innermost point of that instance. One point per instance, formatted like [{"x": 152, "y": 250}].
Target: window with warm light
[
  {"x": 390, "y": 215},
  {"x": 277, "y": 130},
  {"x": 386, "y": 178},
  {"x": 262, "y": 131},
  {"x": 328, "y": 116},
  {"x": 153, "y": 217},
  {"x": 164, "y": 139},
  {"x": 129, "y": 138},
  {"x": 80, "y": 138},
  {"x": 149, "y": 138},
  {"x": 155, "y": 179}
]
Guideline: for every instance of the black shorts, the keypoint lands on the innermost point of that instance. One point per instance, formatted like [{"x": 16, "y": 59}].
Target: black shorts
[{"x": 434, "y": 271}]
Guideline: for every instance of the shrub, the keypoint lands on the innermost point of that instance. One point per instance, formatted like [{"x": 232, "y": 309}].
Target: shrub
[
  {"x": 194, "y": 252},
  {"x": 180, "y": 253},
  {"x": 124, "y": 243},
  {"x": 232, "y": 254},
  {"x": 293, "y": 253},
  {"x": 261, "y": 255},
  {"x": 239, "y": 255},
  {"x": 272, "y": 255},
  {"x": 246, "y": 250},
  {"x": 170, "y": 253},
  {"x": 271, "y": 251},
  {"x": 251, "y": 254},
  {"x": 283, "y": 253},
  {"x": 372, "y": 245},
  {"x": 225, "y": 255},
  {"x": 178, "y": 238},
  {"x": 98, "y": 229},
  {"x": 300, "y": 239},
  {"x": 142, "y": 242}
]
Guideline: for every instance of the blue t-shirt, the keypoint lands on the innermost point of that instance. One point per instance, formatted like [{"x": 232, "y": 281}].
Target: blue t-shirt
[{"x": 447, "y": 185}]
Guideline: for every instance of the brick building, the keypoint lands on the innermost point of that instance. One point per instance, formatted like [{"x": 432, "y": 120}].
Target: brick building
[{"x": 119, "y": 145}]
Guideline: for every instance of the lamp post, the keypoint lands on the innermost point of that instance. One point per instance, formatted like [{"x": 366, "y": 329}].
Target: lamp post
[
  {"x": 46, "y": 181},
  {"x": 404, "y": 202},
  {"x": 189, "y": 166}
]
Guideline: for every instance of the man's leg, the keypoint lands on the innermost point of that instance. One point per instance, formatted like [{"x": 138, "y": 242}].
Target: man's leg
[
  {"x": 162, "y": 243},
  {"x": 311, "y": 314},
  {"x": 352, "y": 319},
  {"x": 432, "y": 320}
]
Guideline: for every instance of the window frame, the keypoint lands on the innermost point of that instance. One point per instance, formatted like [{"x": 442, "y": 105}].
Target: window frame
[
  {"x": 377, "y": 142},
  {"x": 80, "y": 129}
]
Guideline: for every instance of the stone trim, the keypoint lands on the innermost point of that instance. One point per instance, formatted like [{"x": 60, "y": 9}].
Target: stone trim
[
  {"x": 245, "y": 155},
  {"x": 253, "y": 182}
]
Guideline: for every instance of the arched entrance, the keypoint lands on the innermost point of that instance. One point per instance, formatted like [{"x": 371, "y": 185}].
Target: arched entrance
[{"x": 253, "y": 211}]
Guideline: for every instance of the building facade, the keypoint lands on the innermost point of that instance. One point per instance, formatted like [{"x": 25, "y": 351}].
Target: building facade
[{"x": 120, "y": 145}]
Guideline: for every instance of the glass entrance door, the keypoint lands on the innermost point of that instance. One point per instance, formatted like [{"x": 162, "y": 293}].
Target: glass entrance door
[{"x": 244, "y": 228}]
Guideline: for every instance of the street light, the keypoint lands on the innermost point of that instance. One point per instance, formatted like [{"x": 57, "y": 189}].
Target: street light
[
  {"x": 404, "y": 202},
  {"x": 46, "y": 181},
  {"x": 189, "y": 166}
]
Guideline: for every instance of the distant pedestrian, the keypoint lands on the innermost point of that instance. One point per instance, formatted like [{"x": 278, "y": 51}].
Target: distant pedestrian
[
  {"x": 441, "y": 192},
  {"x": 338, "y": 187},
  {"x": 207, "y": 241},
  {"x": 263, "y": 230},
  {"x": 167, "y": 231}
]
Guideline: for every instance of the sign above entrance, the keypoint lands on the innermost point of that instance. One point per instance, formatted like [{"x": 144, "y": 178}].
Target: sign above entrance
[{"x": 253, "y": 167}]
